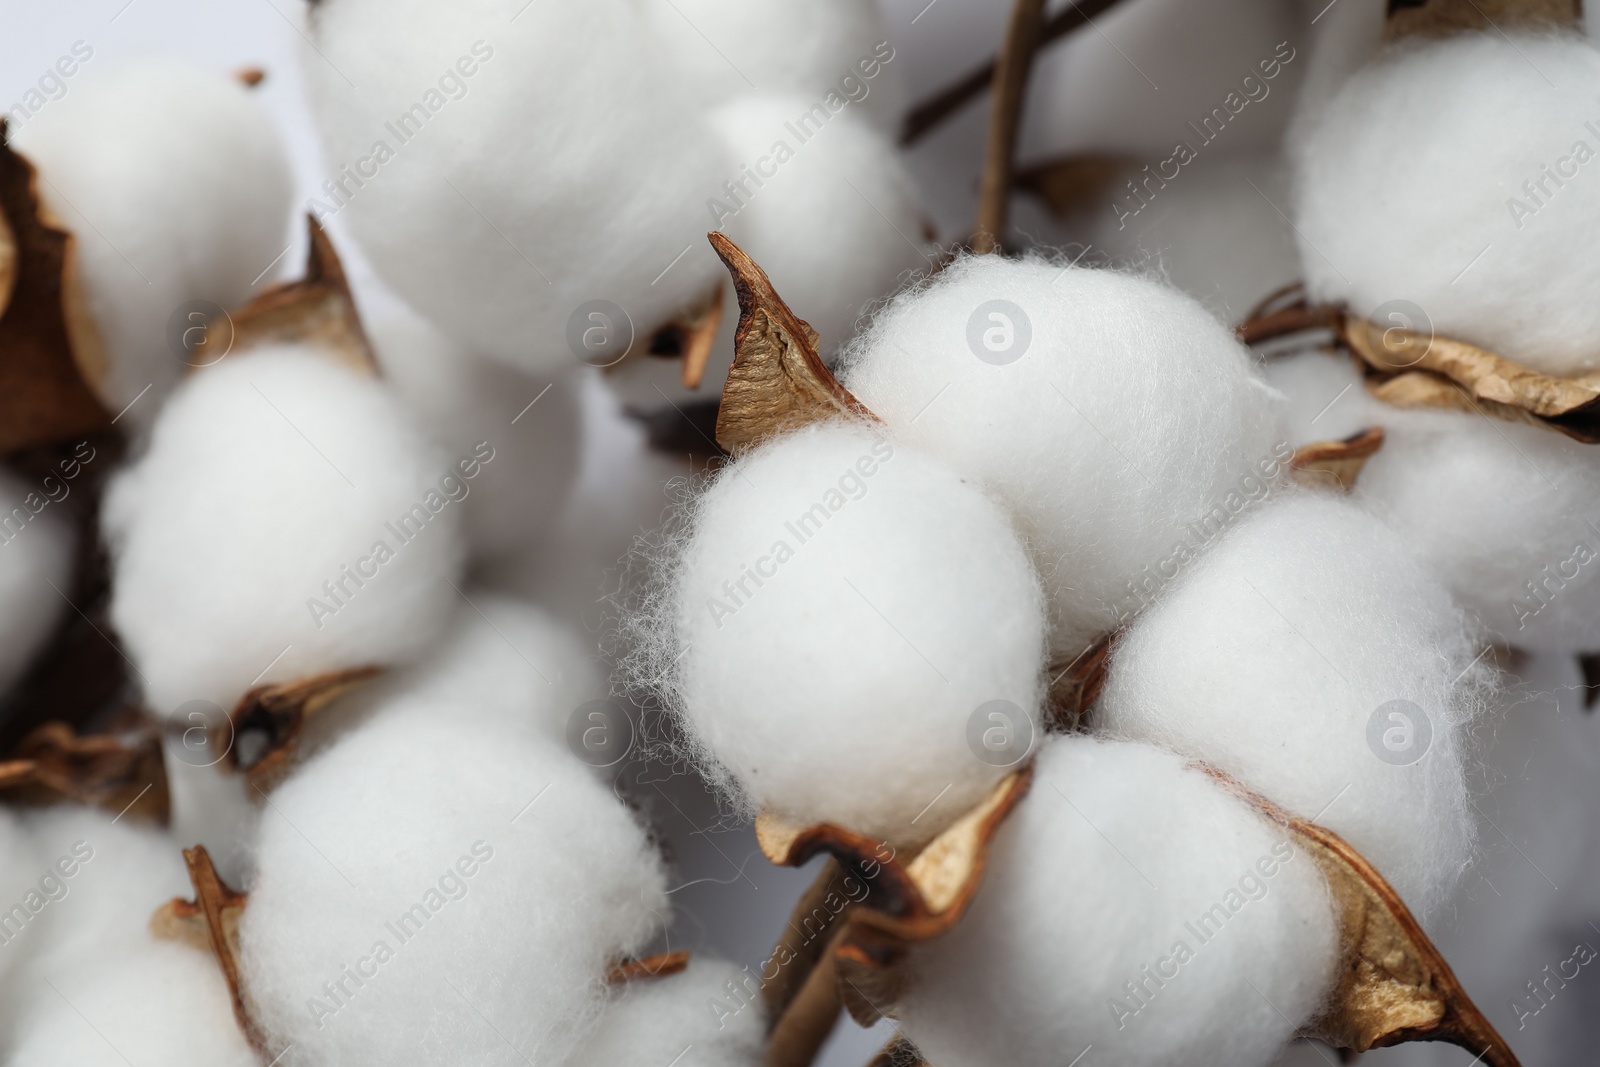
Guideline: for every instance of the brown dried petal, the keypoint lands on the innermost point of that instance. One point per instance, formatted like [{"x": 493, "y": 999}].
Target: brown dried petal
[
  {"x": 906, "y": 902},
  {"x": 317, "y": 310},
  {"x": 1394, "y": 986},
  {"x": 125, "y": 775},
  {"x": 210, "y": 922},
  {"x": 280, "y": 711},
  {"x": 658, "y": 966},
  {"x": 1335, "y": 464},
  {"x": 778, "y": 382},
  {"x": 51, "y": 357},
  {"x": 1441, "y": 18}
]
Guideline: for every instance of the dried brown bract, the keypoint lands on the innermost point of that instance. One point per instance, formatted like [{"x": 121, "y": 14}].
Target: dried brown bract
[
  {"x": 1441, "y": 18},
  {"x": 1393, "y": 984},
  {"x": 51, "y": 356},
  {"x": 1076, "y": 685},
  {"x": 278, "y": 713},
  {"x": 690, "y": 339},
  {"x": 210, "y": 922},
  {"x": 1335, "y": 464},
  {"x": 126, "y": 774},
  {"x": 778, "y": 382},
  {"x": 660, "y": 965},
  {"x": 317, "y": 310}
]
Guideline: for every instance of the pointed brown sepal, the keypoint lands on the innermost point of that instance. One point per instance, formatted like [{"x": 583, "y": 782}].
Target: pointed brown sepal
[
  {"x": 210, "y": 922},
  {"x": 123, "y": 774},
  {"x": 1442, "y": 18},
  {"x": 278, "y": 713},
  {"x": 658, "y": 966},
  {"x": 51, "y": 356},
  {"x": 1335, "y": 464},
  {"x": 778, "y": 382},
  {"x": 690, "y": 339},
  {"x": 317, "y": 310},
  {"x": 906, "y": 902},
  {"x": 1076, "y": 685},
  {"x": 1393, "y": 985}
]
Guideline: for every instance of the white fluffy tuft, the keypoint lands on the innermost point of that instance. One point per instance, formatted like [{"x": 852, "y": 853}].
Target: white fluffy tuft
[
  {"x": 677, "y": 1016},
  {"x": 1273, "y": 658},
  {"x": 1415, "y": 168},
  {"x": 1130, "y": 416},
  {"x": 1119, "y": 854},
  {"x": 265, "y": 477},
  {"x": 36, "y": 554}
]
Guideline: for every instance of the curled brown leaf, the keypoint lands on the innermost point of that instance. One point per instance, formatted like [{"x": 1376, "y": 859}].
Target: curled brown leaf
[{"x": 1335, "y": 464}]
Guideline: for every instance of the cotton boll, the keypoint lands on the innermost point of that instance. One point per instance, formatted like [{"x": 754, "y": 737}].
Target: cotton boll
[
  {"x": 271, "y": 483},
  {"x": 685, "y": 1015},
  {"x": 22, "y": 864},
  {"x": 176, "y": 188},
  {"x": 166, "y": 1003},
  {"x": 1311, "y": 656},
  {"x": 474, "y": 408},
  {"x": 836, "y": 223},
  {"x": 816, "y": 48},
  {"x": 1445, "y": 151},
  {"x": 459, "y": 876},
  {"x": 1502, "y": 512},
  {"x": 1325, "y": 398},
  {"x": 844, "y": 608},
  {"x": 1125, "y": 869},
  {"x": 35, "y": 553},
  {"x": 506, "y": 194},
  {"x": 1110, "y": 412}
]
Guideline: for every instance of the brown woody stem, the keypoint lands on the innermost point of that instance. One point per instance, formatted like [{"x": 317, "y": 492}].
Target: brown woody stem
[
  {"x": 800, "y": 950},
  {"x": 804, "y": 1026},
  {"x": 1023, "y": 36},
  {"x": 947, "y": 101}
]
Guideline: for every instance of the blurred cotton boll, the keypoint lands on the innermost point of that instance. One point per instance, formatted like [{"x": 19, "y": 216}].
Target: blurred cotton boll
[
  {"x": 490, "y": 165},
  {"x": 846, "y": 605},
  {"x": 690, "y": 1014},
  {"x": 36, "y": 552},
  {"x": 418, "y": 879},
  {"x": 176, "y": 189},
  {"x": 815, "y": 48},
  {"x": 464, "y": 402},
  {"x": 1111, "y": 413},
  {"x": 1325, "y": 398},
  {"x": 1313, "y": 657},
  {"x": 1471, "y": 156},
  {"x": 1133, "y": 905},
  {"x": 287, "y": 520}
]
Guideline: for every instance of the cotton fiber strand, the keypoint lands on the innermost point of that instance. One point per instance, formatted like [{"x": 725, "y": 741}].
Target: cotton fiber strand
[
  {"x": 834, "y": 220},
  {"x": 525, "y": 212},
  {"x": 845, "y": 607},
  {"x": 834, "y": 53},
  {"x": 1505, "y": 513},
  {"x": 1454, "y": 175},
  {"x": 456, "y": 876},
  {"x": 1112, "y": 414},
  {"x": 473, "y": 408},
  {"x": 176, "y": 188},
  {"x": 689, "y": 1015},
  {"x": 273, "y": 482},
  {"x": 166, "y": 1003},
  {"x": 1132, "y": 904},
  {"x": 1312, "y": 657},
  {"x": 36, "y": 553}
]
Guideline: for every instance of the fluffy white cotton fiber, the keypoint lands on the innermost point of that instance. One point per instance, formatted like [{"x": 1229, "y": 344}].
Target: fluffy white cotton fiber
[
  {"x": 846, "y": 605},
  {"x": 833, "y": 52},
  {"x": 509, "y": 149},
  {"x": 677, "y": 1017},
  {"x": 24, "y": 864},
  {"x": 1325, "y": 399},
  {"x": 166, "y": 1003},
  {"x": 1312, "y": 657},
  {"x": 428, "y": 894},
  {"x": 35, "y": 554},
  {"x": 1165, "y": 922},
  {"x": 1503, "y": 512},
  {"x": 1111, "y": 413},
  {"x": 833, "y": 219},
  {"x": 1456, "y": 175},
  {"x": 474, "y": 408},
  {"x": 287, "y": 520},
  {"x": 175, "y": 185}
]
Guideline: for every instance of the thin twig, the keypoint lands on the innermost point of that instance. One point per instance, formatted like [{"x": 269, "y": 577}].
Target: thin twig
[
  {"x": 811, "y": 1016},
  {"x": 941, "y": 105},
  {"x": 1005, "y": 115},
  {"x": 801, "y": 946}
]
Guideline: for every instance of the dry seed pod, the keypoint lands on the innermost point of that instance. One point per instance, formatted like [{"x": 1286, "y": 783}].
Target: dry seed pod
[
  {"x": 210, "y": 922},
  {"x": 123, "y": 774}
]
